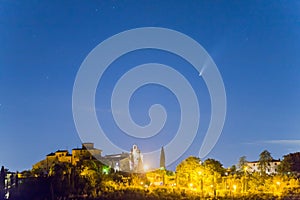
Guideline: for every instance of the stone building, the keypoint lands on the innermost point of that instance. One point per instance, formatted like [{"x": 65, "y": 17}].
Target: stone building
[
  {"x": 59, "y": 156},
  {"x": 87, "y": 151},
  {"x": 129, "y": 162},
  {"x": 118, "y": 162},
  {"x": 271, "y": 169},
  {"x": 136, "y": 159}
]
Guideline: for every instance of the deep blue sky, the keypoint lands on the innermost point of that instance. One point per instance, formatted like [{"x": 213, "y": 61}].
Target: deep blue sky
[{"x": 255, "y": 45}]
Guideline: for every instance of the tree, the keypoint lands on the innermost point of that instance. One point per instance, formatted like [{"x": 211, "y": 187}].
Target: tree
[
  {"x": 213, "y": 173},
  {"x": 27, "y": 174},
  {"x": 213, "y": 166},
  {"x": 264, "y": 161},
  {"x": 32, "y": 188},
  {"x": 162, "y": 158},
  {"x": 232, "y": 170},
  {"x": 2, "y": 183},
  {"x": 91, "y": 175},
  {"x": 242, "y": 163},
  {"x": 290, "y": 163},
  {"x": 60, "y": 177},
  {"x": 188, "y": 171},
  {"x": 40, "y": 172}
]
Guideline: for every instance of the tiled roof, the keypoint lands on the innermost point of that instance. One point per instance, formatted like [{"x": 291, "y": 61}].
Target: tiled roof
[
  {"x": 78, "y": 149},
  {"x": 274, "y": 160},
  {"x": 51, "y": 154},
  {"x": 62, "y": 151}
]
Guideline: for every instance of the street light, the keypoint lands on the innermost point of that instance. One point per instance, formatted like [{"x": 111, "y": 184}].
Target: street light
[
  {"x": 278, "y": 187},
  {"x": 278, "y": 183},
  {"x": 146, "y": 168}
]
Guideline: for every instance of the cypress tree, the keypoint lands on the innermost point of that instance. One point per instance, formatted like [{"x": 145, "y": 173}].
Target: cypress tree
[
  {"x": 2, "y": 183},
  {"x": 162, "y": 158}
]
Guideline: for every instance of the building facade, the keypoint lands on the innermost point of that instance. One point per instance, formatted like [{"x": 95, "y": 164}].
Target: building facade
[
  {"x": 127, "y": 162},
  {"x": 87, "y": 151},
  {"x": 118, "y": 162},
  {"x": 136, "y": 159},
  {"x": 271, "y": 169}
]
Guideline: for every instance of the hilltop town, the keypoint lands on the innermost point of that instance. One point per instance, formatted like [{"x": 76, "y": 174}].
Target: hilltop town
[
  {"x": 127, "y": 162},
  {"x": 86, "y": 174}
]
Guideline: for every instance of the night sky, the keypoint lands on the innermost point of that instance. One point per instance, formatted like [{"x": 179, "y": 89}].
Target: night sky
[{"x": 255, "y": 45}]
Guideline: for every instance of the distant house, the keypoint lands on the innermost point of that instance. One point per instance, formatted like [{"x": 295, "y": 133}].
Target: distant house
[
  {"x": 271, "y": 169},
  {"x": 10, "y": 182}
]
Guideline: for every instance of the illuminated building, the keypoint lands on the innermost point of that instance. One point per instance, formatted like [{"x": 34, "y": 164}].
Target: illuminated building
[
  {"x": 129, "y": 162},
  {"x": 136, "y": 159},
  {"x": 58, "y": 156},
  {"x": 119, "y": 162},
  {"x": 86, "y": 152},
  {"x": 271, "y": 169}
]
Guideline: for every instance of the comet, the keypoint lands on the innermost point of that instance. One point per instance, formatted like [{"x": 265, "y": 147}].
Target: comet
[{"x": 202, "y": 70}]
